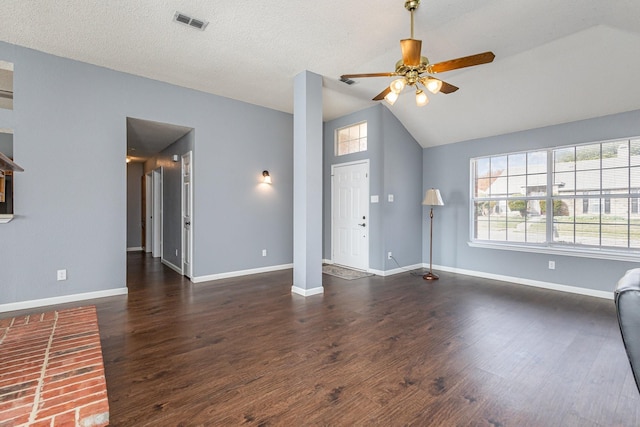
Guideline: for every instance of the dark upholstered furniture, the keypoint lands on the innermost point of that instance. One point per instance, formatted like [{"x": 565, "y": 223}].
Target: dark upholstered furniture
[{"x": 627, "y": 298}]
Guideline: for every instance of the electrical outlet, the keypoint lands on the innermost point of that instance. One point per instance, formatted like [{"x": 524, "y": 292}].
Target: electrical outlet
[
  {"x": 389, "y": 255},
  {"x": 552, "y": 265},
  {"x": 264, "y": 252},
  {"x": 62, "y": 274}
]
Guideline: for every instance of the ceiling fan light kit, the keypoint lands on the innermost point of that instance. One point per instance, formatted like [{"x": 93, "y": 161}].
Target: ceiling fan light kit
[{"x": 412, "y": 66}]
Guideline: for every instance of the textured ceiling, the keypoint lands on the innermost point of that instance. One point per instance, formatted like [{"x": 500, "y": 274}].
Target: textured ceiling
[{"x": 556, "y": 61}]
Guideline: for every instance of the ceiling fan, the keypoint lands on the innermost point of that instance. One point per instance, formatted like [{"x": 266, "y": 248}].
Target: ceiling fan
[{"x": 413, "y": 69}]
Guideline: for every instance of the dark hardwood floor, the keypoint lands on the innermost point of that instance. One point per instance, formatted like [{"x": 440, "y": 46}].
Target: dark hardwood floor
[{"x": 375, "y": 351}]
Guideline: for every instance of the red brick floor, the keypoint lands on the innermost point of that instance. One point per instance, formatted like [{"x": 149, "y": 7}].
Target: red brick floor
[{"x": 51, "y": 371}]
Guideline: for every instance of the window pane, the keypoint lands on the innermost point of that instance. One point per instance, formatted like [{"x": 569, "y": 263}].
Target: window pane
[
  {"x": 634, "y": 179},
  {"x": 613, "y": 179},
  {"x": 588, "y": 157},
  {"x": 564, "y": 232},
  {"x": 498, "y": 165},
  {"x": 517, "y": 207},
  {"x": 564, "y": 183},
  {"x": 562, "y": 209},
  {"x": 564, "y": 158},
  {"x": 537, "y": 185},
  {"x": 588, "y": 233},
  {"x": 363, "y": 144},
  {"x": 498, "y": 228},
  {"x": 616, "y": 210},
  {"x": 588, "y": 180},
  {"x": 483, "y": 168},
  {"x": 536, "y": 230},
  {"x": 615, "y": 154},
  {"x": 498, "y": 187},
  {"x": 517, "y": 185},
  {"x": 343, "y": 135},
  {"x": 615, "y": 235},
  {"x": 363, "y": 130},
  {"x": 634, "y": 152},
  {"x": 516, "y": 228},
  {"x": 537, "y": 162},
  {"x": 517, "y": 164},
  {"x": 634, "y": 237}
]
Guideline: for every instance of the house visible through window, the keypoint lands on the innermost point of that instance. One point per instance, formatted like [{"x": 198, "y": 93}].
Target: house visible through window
[
  {"x": 583, "y": 196},
  {"x": 351, "y": 139}
]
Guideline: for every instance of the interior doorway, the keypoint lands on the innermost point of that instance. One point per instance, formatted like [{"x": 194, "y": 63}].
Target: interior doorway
[
  {"x": 156, "y": 152},
  {"x": 350, "y": 214}
]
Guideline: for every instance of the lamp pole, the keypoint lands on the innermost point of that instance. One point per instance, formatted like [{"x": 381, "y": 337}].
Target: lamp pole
[
  {"x": 432, "y": 198},
  {"x": 430, "y": 275}
]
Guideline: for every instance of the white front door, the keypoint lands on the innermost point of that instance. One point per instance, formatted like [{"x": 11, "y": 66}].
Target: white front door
[
  {"x": 187, "y": 207},
  {"x": 350, "y": 214}
]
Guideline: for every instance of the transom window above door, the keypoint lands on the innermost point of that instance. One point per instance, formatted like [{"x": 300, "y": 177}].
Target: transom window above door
[{"x": 351, "y": 139}]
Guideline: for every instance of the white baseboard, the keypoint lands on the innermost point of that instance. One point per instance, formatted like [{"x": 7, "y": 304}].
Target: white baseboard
[
  {"x": 23, "y": 305},
  {"x": 327, "y": 261},
  {"x": 134, "y": 249},
  {"x": 528, "y": 282},
  {"x": 172, "y": 266},
  {"x": 391, "y": 272},
  {"x": 307, "y": 292},
  {"x": 200, "y": 279}
]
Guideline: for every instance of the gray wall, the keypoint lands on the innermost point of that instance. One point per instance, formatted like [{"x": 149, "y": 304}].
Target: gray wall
[
  {"x": 447, "y": 167},
  {"x": 72, "y": 209},
  {"x": 134, "y": 205},
  {"x": 396, "y": 168}
]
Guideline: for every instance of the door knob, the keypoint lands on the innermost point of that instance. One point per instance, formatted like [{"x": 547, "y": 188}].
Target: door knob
[{"x": 362, "y": 225}]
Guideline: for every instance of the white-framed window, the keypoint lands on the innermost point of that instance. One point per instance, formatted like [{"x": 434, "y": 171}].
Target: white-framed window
[
  {"x": 592, "y": 188},
  {"x": 351, "y": 139}
]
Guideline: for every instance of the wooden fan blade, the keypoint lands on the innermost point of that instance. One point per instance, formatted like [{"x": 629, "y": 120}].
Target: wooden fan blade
[
  {"x": 466, "y": 61},
  {"x": 411, "y": 52},
  {"x": 381, "y": 95},
  {"x": 448, "y": 88},
  {"x": 357, "y": 76}
]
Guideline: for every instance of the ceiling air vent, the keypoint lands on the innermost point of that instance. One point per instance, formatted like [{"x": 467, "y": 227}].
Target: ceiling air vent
[
  {"x": 347, "y": 81},
  {"x": 200, "y": 24}
]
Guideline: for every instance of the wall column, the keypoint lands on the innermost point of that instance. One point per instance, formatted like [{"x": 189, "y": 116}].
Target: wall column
[{"x": 307, "y": 184}]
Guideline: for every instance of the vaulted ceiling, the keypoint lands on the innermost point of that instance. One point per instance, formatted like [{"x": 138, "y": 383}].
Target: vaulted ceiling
[{"x": 556, "y": 61}]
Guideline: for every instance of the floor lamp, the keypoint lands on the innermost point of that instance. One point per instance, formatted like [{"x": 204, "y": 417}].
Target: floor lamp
[{"x": 432, "y": 198}]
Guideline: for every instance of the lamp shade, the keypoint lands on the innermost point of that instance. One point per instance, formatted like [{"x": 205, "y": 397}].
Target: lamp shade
[{"x": 433, "y": 198}]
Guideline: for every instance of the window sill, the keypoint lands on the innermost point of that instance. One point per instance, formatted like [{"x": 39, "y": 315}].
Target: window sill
[
  {"x": 584, "y": 253},
  {"x": 5, "y": 218}
]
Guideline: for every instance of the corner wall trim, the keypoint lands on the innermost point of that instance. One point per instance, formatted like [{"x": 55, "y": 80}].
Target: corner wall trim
[
  {"x": 529, "y": 282},
  {"x": 22, "y": 305},
  {"x": 172, "y": 266},
  {"x": 200, "y": 279},
  {"x": 307, "y": 292}
]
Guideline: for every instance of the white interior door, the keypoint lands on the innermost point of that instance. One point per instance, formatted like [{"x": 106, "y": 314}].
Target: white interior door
[
  {"x": 157, "y": 213},
  {"x": 350, "y": 214},
  {"x": 187, "y": 221},
  {"x": 148, "y": 229}
]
